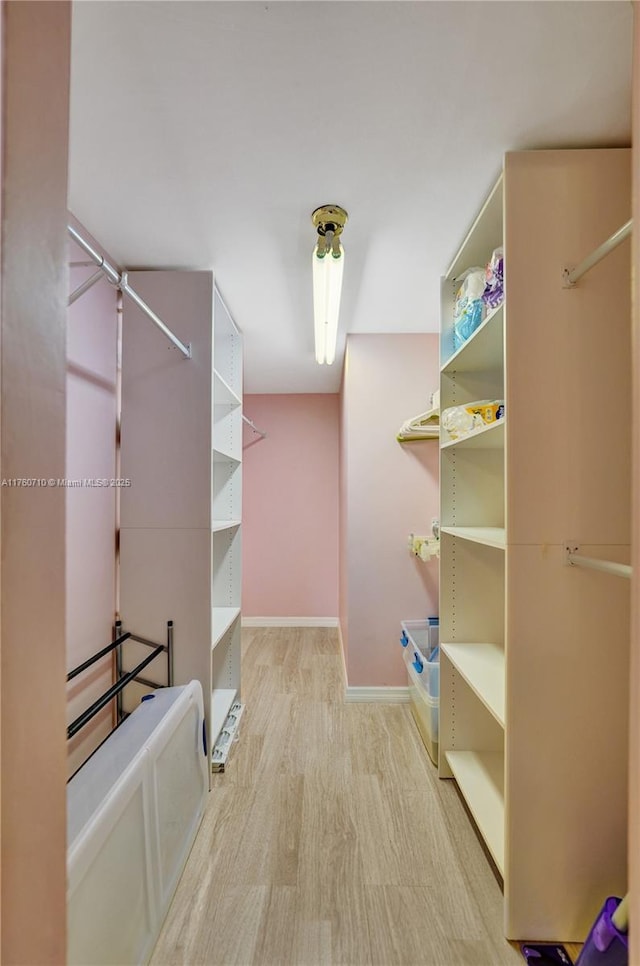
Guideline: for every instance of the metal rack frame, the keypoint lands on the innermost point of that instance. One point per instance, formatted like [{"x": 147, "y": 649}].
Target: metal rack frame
[{"x": 123, "y": 678}]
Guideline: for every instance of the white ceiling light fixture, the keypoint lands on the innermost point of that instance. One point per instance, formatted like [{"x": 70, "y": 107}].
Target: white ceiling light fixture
[{"x": 328, "y": 265}]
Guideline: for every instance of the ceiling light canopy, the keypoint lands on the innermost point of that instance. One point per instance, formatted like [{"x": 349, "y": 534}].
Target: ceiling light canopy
[{"x": 328, "y": 264}]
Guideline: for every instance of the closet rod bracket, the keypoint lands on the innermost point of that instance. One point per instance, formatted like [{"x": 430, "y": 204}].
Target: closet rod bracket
[{"x": 570, "y": 547}]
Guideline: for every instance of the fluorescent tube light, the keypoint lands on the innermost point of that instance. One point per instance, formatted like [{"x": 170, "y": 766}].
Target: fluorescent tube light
[
  {"x": 328, "y": 267},
  {"x": 327, "y": 286}
]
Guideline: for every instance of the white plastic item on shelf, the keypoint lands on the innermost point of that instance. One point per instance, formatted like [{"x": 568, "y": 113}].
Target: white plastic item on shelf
[
  {"x": 469, "y": 308},
  {"x": 458, "y": 421}
]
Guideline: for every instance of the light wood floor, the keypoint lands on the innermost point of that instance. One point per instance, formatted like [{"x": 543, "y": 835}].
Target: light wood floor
[{"x": 329, "y": 839}]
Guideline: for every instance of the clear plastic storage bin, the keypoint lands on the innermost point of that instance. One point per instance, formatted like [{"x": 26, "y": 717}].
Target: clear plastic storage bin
[
  {"x": 424, "y": 709},
  {"x": 421, "y": 652},
  {"x": 420, "y": 644}
]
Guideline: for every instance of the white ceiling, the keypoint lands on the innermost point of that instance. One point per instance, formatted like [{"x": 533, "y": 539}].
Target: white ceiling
[{"x": 203, "y": 134}]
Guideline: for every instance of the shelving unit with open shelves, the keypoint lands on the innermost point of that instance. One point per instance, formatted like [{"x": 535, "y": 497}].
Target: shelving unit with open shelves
[
  {"x": 226, "y": 538},
  {"x": 534, "y": 662},
  {"x": 181, "y": 543}
]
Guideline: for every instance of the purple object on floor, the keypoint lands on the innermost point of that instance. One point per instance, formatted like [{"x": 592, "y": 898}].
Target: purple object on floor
[
  {"x": 545, "y": 954},
  {"x": 605, "y": 945}
]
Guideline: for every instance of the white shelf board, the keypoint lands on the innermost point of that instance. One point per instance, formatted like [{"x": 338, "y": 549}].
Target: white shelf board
[
  {"x": 223, "y": 394},
  {"x": 483, "y": 350},
  {"x": 485, "y": 437},
  {"x": 221, "y": 701},
  {"x": 221, "y": 456},
  {"x": 224, "y": 524},
  {"x": 482, "y": 667},
  {"x": 222, "y": 619},
  {"x": 489, "y": 536},
  {"x": 480, "y": 777}
]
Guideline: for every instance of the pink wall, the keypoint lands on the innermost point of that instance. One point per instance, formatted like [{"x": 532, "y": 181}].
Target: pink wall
[
  {"x": 33, "y": 164},
  {"x": 91, "y": 511},
  {"x": 290, "y": 506},
  {"x": 343, "y": 520},
  {"x": 388, "y": 491}
]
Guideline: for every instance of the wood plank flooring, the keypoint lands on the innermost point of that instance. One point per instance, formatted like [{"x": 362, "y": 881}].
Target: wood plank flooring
[{"x": 329, "y": 838}]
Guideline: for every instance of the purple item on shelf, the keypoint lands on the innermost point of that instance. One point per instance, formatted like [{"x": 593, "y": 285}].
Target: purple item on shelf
[
  {"x": 605, "y": 945},
  {"x": 493, "y": 294}
]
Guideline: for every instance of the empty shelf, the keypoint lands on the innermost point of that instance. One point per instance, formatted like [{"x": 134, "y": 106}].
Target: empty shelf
[
  {"x": 223, "y": 394},
  {"x": 489, "y": 536},
  {"x": 222, "y": 456},
  {"x": 224, "y": 524},
  {"x": 482, "y": 667},
  {"x": 222, "y": 619},
  {"x": 480, "y": 777}
]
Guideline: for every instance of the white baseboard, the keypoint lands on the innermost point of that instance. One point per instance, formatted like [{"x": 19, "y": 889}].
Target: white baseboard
[
  {"x": 345, "y": 677},
  {"x": 390, "y": 695},
  {"x": 289, "y": 621}
]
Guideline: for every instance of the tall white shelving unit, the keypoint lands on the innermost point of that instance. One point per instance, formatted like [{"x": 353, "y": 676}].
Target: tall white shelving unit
[
  {"x": 472, "y": 565},
  {"x": 181, "y": 445},
  {"x": 534, "y": 653},
  {"x": 226, "y": 516}
]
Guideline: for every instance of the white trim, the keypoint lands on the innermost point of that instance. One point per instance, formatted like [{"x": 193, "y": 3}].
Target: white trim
[
  {"x": 390, "y": 695},
  {"x": 345, "y": 676},
  {"x": 289, "y": 621}
]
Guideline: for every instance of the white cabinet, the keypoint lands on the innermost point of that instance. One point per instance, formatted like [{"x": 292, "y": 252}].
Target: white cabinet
[
  {"x": 534, "y": 654},
  {"x": 181, "y": 438}
]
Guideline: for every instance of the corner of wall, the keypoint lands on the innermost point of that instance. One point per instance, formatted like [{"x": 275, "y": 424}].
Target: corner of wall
[{"x": 35, "y": 62}]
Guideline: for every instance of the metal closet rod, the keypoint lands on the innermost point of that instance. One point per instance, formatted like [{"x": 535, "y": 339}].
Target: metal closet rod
[
  {"x": 571, "y": 277},
  {"x": 85, "y": 286},
  {"x": 120, "y": 280},
  {"x": 250, "y": 422},
  {"x": 606, "y": 566}
]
